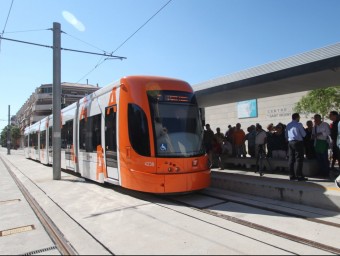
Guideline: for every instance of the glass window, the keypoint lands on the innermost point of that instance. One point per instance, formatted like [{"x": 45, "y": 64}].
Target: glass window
[
  {"x": 67, "y": 135},
  {"x": 50, "y": 135},
  {"x": 111, "y": 137},
  {"x": 34, "y": 140},
  {"x": 82, "y": 134},
  {"x": 90, "y": 133},
  {"x": 177, "y": 124},
  {"x": 138, "y": 130},
  {"x": 26, "y": 141},
  {"x": 111, "y": 131},
  {"x": 42, "y": 139},
  {"x": 95, "y": 132}
]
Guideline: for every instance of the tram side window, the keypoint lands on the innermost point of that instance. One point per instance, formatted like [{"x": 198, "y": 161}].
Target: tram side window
[
  {"x": 42, "y": 139},
  {"x": 34, "y": 140},
  {"x": 67, "y": 134},
  {"x": 111, "y": 131},
  {"x": 26, "y": 141},
  {"x": 50, "y": 131},
  {"x": 95, "y": 132},
  {"x": 82, "y": 134},
  {"x": 69, "y": 139},
  {"x": 90, "y": 133},
  {"x": 138, "y": 130}
]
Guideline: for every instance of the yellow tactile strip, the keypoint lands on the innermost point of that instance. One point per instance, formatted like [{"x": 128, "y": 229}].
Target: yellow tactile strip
[{"x": 17, "y": 230}]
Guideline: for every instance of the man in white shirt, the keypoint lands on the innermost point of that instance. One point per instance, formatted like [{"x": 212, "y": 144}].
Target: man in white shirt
[{"x": 321, "y": 132}]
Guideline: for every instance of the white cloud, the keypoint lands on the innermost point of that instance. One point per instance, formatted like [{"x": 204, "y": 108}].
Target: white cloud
[{"x": 70, "y": 18}]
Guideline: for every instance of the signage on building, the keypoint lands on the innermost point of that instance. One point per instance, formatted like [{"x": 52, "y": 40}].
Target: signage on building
[
  {"x": 279, "y": 112},
  {"x": 247, "y": 109}
]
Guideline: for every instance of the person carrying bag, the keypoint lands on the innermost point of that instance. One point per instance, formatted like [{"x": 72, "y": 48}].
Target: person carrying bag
[{"x": 320, "y": 134}]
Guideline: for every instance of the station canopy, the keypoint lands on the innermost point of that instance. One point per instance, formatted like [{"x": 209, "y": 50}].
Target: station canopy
[{"x": 315, "y": 69}]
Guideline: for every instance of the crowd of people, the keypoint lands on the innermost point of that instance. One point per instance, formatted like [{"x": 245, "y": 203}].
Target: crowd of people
[{"x": 317, "y": 140}]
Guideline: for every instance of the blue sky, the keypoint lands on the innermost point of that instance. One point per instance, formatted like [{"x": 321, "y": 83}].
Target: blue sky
[{"x": 193, "y": 40}]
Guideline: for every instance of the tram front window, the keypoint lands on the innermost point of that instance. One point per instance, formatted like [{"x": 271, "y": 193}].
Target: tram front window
[{"x": 177, "y": 126}]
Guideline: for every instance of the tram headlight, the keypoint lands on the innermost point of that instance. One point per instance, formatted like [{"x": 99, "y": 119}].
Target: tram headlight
[{"x": 194, "y": 163}]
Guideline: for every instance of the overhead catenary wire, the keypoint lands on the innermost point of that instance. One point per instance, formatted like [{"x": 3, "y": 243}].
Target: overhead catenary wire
[
  {"x": 91, "y": 46},
  {"x": 101, "y": 60},
  {"x": 142, "y": 26},
  {"x": 83, "y": 41},
  {"x": 24, "y": 42},
  {"x": 9, "y": 12},
  {"x": 108, "y": 55},
  {"x": 104, "y": 54},
  {"x": 26, "y": 31},
  {"x": 65, "y": 49}
]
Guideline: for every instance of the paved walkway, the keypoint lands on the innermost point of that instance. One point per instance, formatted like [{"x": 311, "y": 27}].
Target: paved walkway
[
  {"x": 17, "y": 214},
  {"x": 21, "y": 230},
  {"x": 97, "y": 220},
  {"x": 316, "y": 192}
]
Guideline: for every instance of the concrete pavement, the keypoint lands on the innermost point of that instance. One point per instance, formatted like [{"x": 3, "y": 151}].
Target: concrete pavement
[
  {"x": 99, "y": 220},
  {"x": 316, "y": 192},
  {"x": 21, "y": 231}
]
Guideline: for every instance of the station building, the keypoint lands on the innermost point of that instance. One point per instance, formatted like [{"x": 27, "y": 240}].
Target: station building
[
  {"x": 268, "y": 93},
  {"x": 267, "y": 110}
]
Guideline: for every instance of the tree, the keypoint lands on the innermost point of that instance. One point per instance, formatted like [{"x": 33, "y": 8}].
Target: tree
[
  {"x": 15, "y": 136},
  {"x": 4, "y": 137},
  {"x": 319, "y": 101}
]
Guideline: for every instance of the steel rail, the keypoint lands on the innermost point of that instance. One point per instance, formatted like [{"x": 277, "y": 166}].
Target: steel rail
[
  {"x": 259, "y": 227},
  {"x": 64, "y": 247},
  {"x": 268, "y": 208}
]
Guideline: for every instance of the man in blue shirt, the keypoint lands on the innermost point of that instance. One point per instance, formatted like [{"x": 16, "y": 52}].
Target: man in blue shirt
[{"x": 295, "y": 133}]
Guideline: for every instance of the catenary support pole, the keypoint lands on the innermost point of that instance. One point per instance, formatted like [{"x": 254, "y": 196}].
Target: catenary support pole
[{"x": 56, "y": 138}]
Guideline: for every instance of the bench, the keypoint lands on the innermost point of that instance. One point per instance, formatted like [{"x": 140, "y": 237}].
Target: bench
[{"x": 310, "y": 166}]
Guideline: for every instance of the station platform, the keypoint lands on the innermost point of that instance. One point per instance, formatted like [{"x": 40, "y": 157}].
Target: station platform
[
  {"x": 62, "y": 199},
  {"x": 316, "y": 192}
]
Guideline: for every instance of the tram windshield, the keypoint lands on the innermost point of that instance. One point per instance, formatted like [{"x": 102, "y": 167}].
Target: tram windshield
[{"x": 176, "y": 123}]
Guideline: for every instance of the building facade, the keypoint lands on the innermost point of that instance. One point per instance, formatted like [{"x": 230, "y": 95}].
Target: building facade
[
  {"x": 268, "y": 93},
  {"x": 275, "y": 109},
  {"x": 39, "y": 104}
]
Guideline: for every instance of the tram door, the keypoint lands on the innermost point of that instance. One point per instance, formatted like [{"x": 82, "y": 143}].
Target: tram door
[{"x": 111, "y": 142}]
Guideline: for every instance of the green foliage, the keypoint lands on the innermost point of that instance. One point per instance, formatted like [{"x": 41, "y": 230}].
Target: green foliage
[
  {"x": 319, "y": 101},
  {"x": 4, "y": 137},
  {"x": 15, "y": 135}
]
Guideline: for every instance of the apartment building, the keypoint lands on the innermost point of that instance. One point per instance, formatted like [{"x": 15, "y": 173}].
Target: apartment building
[{"x": 39, "y": 104}]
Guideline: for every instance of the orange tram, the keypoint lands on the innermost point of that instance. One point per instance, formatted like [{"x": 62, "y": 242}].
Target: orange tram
[{"x": 143, "y": 133}]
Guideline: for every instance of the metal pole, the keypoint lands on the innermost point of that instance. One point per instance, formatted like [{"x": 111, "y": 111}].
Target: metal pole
[
  {"x": 9, "y": 131},
  {"x": 56, "y": 139}
]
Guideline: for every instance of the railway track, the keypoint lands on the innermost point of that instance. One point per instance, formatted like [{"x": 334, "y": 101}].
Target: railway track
[
  {"x": 61, "y": 244},
  {"x": 191, "y": 206},
  {"x": 253, "y": 225}
]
